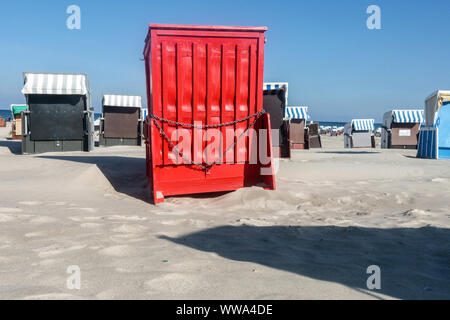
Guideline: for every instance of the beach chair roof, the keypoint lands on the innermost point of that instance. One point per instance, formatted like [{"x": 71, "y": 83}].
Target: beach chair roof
[
  {"x": 297, "y": 113},
  {"x": 403, "y": 116},
  {"x": 408, "y": 116},
  {"x": 18, "y": 108},
  {"x": 363, "y": 124},
  {"x": 116, "y": 100},
  {"x": 433, "y": 103},
  {"x": 55, "y": 84},
  {"x": 275, "y": 85}
]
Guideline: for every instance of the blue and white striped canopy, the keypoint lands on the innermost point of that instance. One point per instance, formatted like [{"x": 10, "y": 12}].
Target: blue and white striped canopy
[
  {"x": 408, "y": 116},
  {"x": 275, "y": 85},
  {"x": 297, "y": 113},
  {"x": 363, "y": 124}
]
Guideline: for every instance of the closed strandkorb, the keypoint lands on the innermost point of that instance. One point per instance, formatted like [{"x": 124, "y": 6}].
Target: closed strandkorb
[{"x": 206, "y": 130}]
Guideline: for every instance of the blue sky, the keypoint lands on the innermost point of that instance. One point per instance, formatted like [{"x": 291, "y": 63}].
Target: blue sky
[{"x": 332, "y": 62}]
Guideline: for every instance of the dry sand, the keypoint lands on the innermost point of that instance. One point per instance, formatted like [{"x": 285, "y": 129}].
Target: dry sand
[{"x": 335, "y": 213}]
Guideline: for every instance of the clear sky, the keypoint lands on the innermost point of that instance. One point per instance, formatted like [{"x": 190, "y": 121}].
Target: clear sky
[{"x": 332, "y": 61}]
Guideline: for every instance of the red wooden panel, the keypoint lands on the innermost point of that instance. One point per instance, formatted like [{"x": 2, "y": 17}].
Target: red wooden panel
[
  {"x": 199, "y": 99},
  {"x": 169, "y": 91},
  {"x": 184, "y": 100},
  {"x": 252, "y": 143},
  {"x": 213, "y": 107},
  {"x": 228, "y": 100},
  {"x": 155, "y": 99},
  {"x": 242, "y": 101}
]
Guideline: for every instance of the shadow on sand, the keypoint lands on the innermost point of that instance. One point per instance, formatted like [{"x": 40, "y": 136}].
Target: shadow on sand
[
  {"x": 415, "y": 263},
  {"x": 14, "y": 146},
  {"x": 127, "y": 175},
  {"x": 415, "y": 157},
  {"x": 207, "y": 195}
]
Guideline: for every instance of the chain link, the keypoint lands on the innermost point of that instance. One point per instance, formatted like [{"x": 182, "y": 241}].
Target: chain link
[
  {"x": 200, "y": 165},
  {"x": 206, "y": 126}
]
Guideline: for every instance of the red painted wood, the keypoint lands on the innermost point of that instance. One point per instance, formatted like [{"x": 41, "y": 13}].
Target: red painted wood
[{"x": 204, "y": 75}]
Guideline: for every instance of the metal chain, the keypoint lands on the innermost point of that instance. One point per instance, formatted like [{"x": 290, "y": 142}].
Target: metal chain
[
  {"x": 187, "y": 160},
  {"x": 206, "y": 126}
]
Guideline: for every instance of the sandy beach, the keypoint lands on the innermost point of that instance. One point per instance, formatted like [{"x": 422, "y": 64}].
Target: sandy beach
[{"x": 335, "y": 212}]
